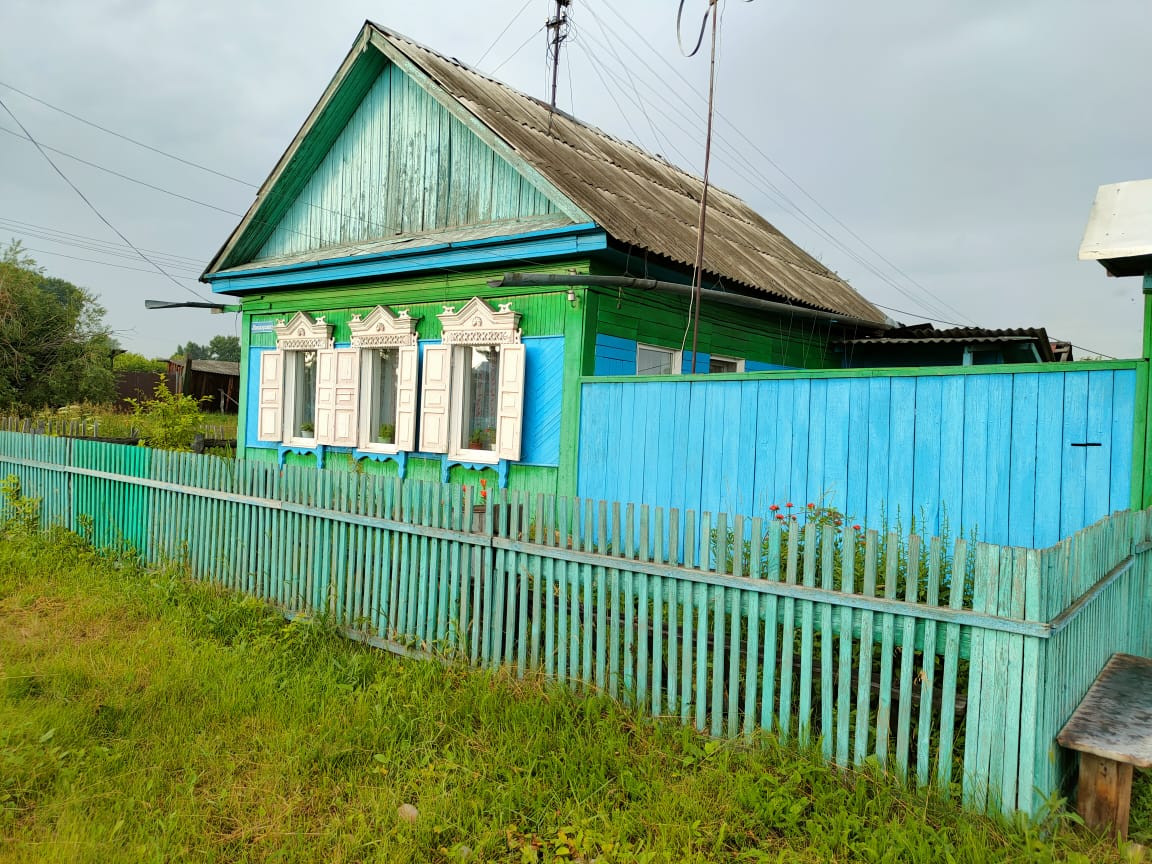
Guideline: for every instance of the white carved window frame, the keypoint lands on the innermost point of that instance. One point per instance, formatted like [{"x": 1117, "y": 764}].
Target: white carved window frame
[
  {"x": 300, "y": 333},
  {"x": 477, "y": 325},
  {"x": 382, "y": 329}
]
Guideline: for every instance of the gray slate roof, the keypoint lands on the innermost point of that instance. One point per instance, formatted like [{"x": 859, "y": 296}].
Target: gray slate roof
[{"x": 638, "y": 198}]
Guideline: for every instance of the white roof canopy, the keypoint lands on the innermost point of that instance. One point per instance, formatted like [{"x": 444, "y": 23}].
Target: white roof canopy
[{"x": 1119, "y": 232}]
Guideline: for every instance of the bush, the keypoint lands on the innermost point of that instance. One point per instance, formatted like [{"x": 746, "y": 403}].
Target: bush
[{"x": 168, "y": 421}]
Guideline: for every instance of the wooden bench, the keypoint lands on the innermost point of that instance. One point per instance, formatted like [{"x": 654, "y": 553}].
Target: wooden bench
[{"x": 1112, "y": 731}]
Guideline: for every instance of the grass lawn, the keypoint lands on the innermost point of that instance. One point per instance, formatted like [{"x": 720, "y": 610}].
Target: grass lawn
[{"x": 146, "y": 718}]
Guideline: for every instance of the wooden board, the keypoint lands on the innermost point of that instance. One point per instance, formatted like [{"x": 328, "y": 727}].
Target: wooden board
[{"x": 1115, "y": 719}]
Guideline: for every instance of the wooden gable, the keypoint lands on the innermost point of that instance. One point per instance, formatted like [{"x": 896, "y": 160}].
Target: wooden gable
[{"x": 385, "y": 155}]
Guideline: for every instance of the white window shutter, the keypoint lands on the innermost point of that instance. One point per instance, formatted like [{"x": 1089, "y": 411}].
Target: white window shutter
[
  {"x": 270, "y": 398},
  {"x": 406, "y": 399},
  {"x": 510, "y": 419},
  {"x": 346, "y": 397},
  {"x": 325, "y": 396},
  {"x": 437, "y": 374}
]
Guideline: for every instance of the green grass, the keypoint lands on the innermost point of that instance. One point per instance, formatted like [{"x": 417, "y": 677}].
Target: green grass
[{"x": 144, "y": 717}]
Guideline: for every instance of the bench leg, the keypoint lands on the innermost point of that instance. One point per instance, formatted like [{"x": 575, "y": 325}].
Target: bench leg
[{"x": 1104, "y": 793}]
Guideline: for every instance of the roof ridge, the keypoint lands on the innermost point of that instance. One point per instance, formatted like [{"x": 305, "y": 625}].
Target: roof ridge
[{"x": 571, "y": 118}]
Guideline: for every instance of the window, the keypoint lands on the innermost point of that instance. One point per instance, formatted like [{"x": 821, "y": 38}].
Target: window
[
  {"x": 479, "y": 369},
  {"x": 301, "y": 395},
  {"x": 720, "y": 365},
  {"x": 651, "y": 360},
  {"x": 382, "y": 376},
  {"x": 386, "y": 347},
  {"x": 293, "y": 399},
  {"x": 472, "y": 390}
]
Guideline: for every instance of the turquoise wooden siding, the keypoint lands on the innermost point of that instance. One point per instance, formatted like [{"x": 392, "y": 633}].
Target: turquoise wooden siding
[
  {"x": 994, "y": 455},
  {"x": 402, "y": 165}
]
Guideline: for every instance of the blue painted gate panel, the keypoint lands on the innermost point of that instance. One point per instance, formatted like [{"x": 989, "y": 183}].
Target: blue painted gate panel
[{"x": 994, "y": 455}]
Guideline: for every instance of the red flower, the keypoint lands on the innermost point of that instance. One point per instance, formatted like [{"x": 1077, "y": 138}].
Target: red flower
[
  {"x": 780, "y": 516},
  {"x": 811, "y": 506},
  {"x": 774, "y": 508},
  {"x": 789, "y": 505},
  {"x": 855, "y": 527}
]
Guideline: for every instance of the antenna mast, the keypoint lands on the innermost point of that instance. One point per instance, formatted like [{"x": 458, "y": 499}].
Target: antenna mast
[{"x": 558, "y": 32}]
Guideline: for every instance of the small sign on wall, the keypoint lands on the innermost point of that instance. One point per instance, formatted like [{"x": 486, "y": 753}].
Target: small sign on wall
[{"x": 263, "y": 326}]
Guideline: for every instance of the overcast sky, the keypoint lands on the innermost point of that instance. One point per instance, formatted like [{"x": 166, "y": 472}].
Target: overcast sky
[{"x": 962, "y": 141}]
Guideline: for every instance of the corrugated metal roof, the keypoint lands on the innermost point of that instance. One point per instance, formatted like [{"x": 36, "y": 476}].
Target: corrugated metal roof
[
  {"x": 926, "y": 334},
  {"x": 640, "y": 199},
  {"x": 216, "y": 367}
]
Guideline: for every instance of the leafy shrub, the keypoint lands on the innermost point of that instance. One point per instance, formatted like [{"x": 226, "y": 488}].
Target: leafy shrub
[{"x": 168, "y": 421}]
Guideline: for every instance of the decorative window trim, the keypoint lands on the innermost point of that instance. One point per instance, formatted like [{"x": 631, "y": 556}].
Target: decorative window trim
[
  {"x": 479, "y": 324},
  {"x": 442, "y": 392},
  {"x": 677, "y": 358},
  {"x": 382, "y": 329},
  {"x": 302, "y": 333}
]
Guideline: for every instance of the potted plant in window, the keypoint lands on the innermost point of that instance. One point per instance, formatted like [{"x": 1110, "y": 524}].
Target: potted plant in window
[
  {"x": 482, "y": 439},
  {"x": 387, "y": 433},
  {"x": 307, "y": 429}
]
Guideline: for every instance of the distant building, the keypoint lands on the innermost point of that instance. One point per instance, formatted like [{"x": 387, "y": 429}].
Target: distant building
[{"x": 924, "y": 345}]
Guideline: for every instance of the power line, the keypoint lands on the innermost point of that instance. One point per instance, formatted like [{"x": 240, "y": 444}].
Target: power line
[
  {"x": 643, "y": 110},
  {"x": 114, "y": 173},
  {"x": 507, "y": 27},
  {"x": 776, "y": 165},
  {"x": 760, "y": 181},
  {"x": 92, "y": 206},
  {"x": 92, "y": 247},
  {"x": 42, "y": 232},
  {"x": 131, "y": 140},
  {"x": 523, "y": 45},
  {"x": 94, "y": 261}
]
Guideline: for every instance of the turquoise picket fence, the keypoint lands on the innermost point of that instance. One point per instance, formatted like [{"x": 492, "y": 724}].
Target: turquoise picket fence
[{"x": 949, "y": 663}]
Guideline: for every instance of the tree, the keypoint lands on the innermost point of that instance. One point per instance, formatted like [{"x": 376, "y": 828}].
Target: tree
[
  {"x": 225, "y": 348},
  {"x": 54, "y": 345},
  {"x": 192, "y": 351},
  {"x": 219, "y": 348},
  {"x": 131, "y": 362}
]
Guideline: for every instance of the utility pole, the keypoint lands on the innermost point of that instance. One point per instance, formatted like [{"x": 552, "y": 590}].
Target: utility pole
[
  {"x": 557, "y": 33},
  {"x": 698, "y": 269}
]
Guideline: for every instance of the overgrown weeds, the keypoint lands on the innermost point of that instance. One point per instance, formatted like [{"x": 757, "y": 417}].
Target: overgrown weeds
[{"x": 147, "y": 717}]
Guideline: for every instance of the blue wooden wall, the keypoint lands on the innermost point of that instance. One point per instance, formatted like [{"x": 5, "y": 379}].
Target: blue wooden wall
[
  {"x": 989, "y": 453},
  {"x": 617, "y": 356}
]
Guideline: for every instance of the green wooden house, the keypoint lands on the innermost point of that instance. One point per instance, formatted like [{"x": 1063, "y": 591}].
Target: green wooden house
[{"x": 437, "y": 260}]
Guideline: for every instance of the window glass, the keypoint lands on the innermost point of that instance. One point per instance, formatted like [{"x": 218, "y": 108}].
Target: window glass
[
  {"x": 303, "y": 394},
  {"x": 481, "y": 379},
  {"x": 654, "y": 361},
  {"x": 384, "y": 374},
  {"x": 719, "y": 365}
]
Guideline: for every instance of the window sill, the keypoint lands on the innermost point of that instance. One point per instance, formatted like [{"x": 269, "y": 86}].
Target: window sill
[
  {"x": 388, "y": 449},
  {"x": 479, "y": 457}
]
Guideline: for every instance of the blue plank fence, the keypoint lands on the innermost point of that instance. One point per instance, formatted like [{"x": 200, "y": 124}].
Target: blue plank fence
[
  {"x": 1012, "y": 457},
  {"x": 953, "y": 665}
]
